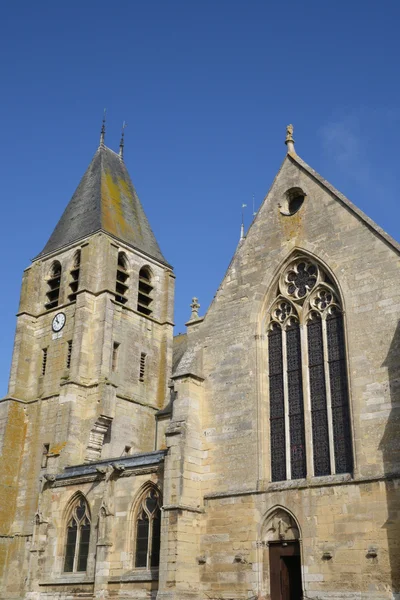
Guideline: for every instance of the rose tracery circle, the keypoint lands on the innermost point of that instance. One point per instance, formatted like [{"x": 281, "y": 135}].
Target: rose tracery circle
[{"x": 300, "y": 279}]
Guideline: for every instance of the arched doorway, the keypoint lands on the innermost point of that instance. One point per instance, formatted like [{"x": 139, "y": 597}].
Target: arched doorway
[{"x": 281, "y": 539}]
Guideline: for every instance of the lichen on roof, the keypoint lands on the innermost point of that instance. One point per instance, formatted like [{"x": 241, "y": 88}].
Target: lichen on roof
[
  {"x": 178, "y": 349},
  {"x": 105, "y": 200}
]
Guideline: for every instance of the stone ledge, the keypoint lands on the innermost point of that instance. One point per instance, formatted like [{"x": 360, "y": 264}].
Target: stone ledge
[
  {"x": 151, "y": 575},
  {"x": 301, "y": 484},
  {"x": 183, "y": 507},
  {"x": 74, "y": 579}
]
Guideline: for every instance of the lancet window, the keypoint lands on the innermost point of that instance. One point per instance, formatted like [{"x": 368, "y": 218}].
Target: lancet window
[
  {"x": 307, "y": 370},
  {"x": 148, "y": 531},
  {"x": 77, "y": 539}
]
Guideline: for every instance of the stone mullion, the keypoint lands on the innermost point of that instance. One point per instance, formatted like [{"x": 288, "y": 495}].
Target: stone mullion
[
  {"x": 328, "y": 398},
  {"x": 77, "y": 542},
  {"x": 286, "y": 405},
  {"x": 150, "y": 542},
  {"x": 307, "y": 402}
]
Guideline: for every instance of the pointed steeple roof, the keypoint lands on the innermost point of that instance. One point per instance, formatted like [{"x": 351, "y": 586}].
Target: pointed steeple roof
[{"x": 105, "y": 200}]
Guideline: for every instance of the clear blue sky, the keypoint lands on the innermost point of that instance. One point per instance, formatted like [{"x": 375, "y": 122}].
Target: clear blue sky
[{"x": 207, "y": 89}]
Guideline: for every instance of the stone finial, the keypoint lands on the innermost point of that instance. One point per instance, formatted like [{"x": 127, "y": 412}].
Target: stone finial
[
  {"x": 195, "y": 309},
  {"x": 103, "y": 129},
  {"x": 289, "y": 139}
]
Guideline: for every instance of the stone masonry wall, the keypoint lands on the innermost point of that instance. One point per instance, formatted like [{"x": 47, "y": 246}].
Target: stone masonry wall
[{"x": 232, "y": 351}]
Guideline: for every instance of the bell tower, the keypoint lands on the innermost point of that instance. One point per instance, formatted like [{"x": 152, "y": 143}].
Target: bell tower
[{"x": 93, "y": 344}]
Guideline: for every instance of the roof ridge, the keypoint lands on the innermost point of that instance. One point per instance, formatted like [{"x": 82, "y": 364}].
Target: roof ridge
[
  {"x": 104, "y": 147},
  {"x": 361, "y": 214}
]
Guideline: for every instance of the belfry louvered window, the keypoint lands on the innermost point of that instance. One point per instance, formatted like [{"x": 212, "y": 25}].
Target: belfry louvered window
[
  {"x": 148, "y": 531},
  {"x": 53, "y": 286},
  {"x": 307, "y": 367},
  {"x": 74, "y": 276},
  {"x": 121, "y": 284},
  {"x": 145, "y": 292},
  {"x": 77, "y": 538}
]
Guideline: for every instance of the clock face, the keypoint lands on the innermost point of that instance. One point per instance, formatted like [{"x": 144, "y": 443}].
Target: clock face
[{"x": 58, "y": 322}]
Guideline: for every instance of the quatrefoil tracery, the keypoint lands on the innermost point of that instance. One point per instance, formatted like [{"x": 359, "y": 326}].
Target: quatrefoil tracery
[
  {"x": 323, "y": 298},
  {"x": 282, "y": 311}
]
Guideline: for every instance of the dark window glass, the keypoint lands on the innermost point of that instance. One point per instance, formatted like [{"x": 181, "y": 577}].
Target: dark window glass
[
  {"x": 339, "y": 393},
  {"x": 295, "y": 204},
  {"x": 155, "y": 546},
  {"x": 319, "y": 412},
  {"x": 296, "y": 410},
  {"x": 70, "y": 547},
  {"x": 276, "y": 399},
  {"x": 142, "y": 540},
  {"x": 83, "y": 546}
]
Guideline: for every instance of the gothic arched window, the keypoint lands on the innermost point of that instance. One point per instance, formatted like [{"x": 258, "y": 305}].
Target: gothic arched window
[
  {"x": 306, "y": 329},
  {"x": 53, "y": 285},
  {"x": 77, "y": 539},
  {"x": 148, "y": 531},
  {"x": 145, "y": 290},
  {"x": 121, "y": 284}
]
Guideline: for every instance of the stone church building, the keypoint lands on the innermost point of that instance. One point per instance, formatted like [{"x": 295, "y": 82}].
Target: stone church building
[{"x": 256, "y": 456}]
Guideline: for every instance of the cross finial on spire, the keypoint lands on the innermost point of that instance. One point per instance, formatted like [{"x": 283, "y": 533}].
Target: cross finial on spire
[
  {"x": 289, "y": 139},
  {"x": 103, "y": 129},
  {"x": 121, "y": 144}
]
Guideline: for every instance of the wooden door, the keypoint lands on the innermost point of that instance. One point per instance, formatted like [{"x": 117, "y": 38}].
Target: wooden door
[{"x": 285, "y": 571}]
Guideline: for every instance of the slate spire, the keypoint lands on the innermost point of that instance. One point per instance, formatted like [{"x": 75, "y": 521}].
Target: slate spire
[{"x": 105, "y": 200}]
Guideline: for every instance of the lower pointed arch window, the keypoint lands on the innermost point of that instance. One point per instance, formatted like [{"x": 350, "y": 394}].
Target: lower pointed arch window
[
  {"x": 307, "y": 364},
  {"x": 148, "y": 531},
  {"x": 77, "y": 538}
]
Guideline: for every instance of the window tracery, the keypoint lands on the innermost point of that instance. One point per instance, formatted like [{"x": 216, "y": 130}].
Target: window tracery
[
  {"x": 306, "y": 327},
  {"x": 148, "y": 531},
  {"x": 299, "y": 278},
  {"x": 78, "y": 536}
]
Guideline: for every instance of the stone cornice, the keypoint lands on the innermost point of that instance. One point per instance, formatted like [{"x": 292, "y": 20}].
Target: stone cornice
[
  {"x": 124, "y": 465},
  {"x": 317, "y": 482}
]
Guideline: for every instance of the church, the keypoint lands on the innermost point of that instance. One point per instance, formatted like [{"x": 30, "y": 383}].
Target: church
[{"x": 254, "y": 457}]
